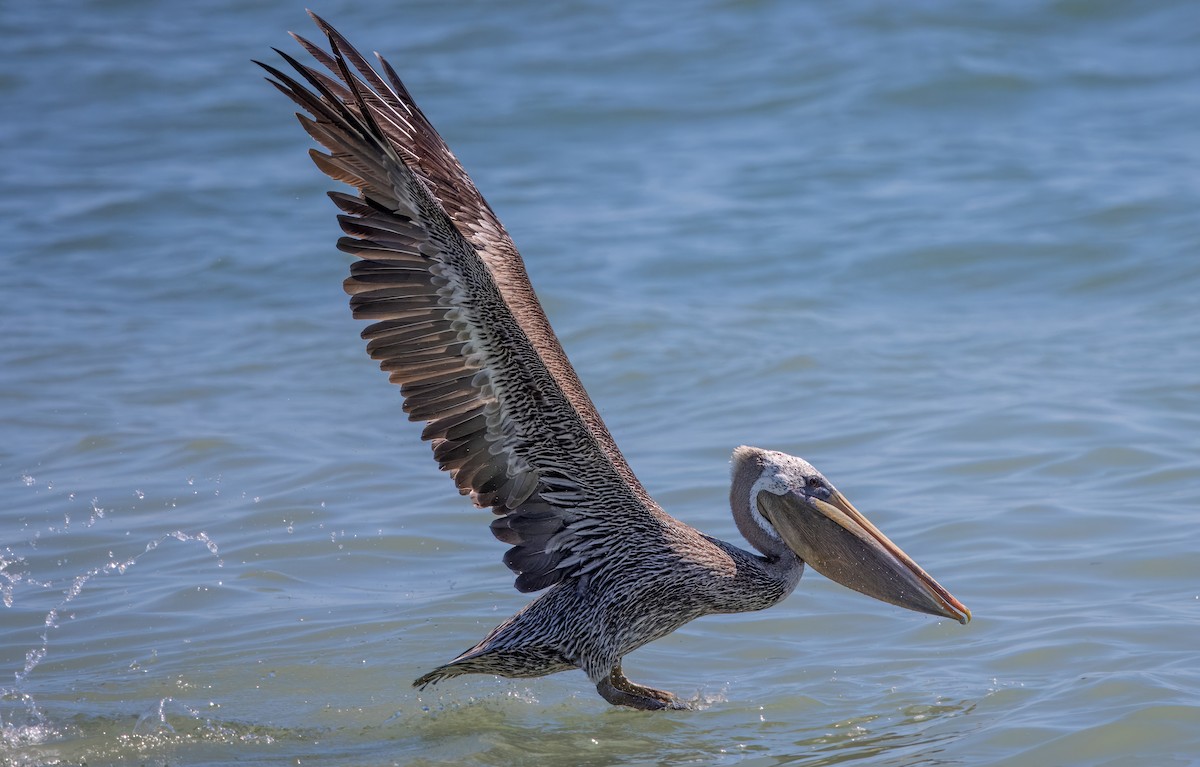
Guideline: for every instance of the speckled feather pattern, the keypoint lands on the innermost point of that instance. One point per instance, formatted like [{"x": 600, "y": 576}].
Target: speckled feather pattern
[{"x": 457, "y": 326}]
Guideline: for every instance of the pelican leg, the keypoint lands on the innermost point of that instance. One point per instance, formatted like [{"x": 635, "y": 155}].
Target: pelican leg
[{"x": 619, "y": 691}]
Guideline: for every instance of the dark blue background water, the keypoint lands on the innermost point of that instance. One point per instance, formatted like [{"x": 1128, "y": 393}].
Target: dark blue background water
[{"x": 948, "y": 252}]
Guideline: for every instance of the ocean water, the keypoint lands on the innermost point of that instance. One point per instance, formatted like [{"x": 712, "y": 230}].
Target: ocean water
[{"x": 950, "y": 253}]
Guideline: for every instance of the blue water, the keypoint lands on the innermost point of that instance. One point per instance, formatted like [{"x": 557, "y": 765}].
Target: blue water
[{"x": 950, "y": 253}]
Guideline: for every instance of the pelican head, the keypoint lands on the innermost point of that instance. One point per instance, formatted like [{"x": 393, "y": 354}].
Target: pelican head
[{"x": 782, "y": 502}]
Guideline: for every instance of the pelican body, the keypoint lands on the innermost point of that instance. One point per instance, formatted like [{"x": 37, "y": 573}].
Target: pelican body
[{"x": 457, "y": 326}]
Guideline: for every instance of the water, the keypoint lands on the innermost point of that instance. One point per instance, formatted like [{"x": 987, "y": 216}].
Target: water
[{"x": 948, "y": 253}]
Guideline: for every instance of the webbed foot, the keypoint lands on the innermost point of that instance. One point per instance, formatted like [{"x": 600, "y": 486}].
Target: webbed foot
[{"x": 619, "y": 691}]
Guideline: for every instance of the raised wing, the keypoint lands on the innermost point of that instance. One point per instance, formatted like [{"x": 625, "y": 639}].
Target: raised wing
[{"x": 457, "y": 326}]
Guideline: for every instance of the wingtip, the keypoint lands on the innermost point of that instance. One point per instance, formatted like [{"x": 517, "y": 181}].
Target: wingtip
[{"x": 322, "y": 24}]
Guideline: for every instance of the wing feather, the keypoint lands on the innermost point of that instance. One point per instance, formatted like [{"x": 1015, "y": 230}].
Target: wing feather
[
  {"x": 458, "y": 327},
  {"x": 430, "y": 159}
]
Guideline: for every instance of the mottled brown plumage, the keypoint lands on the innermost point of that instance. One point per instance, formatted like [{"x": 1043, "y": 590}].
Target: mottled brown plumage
[{"x": 456, "y": 324}]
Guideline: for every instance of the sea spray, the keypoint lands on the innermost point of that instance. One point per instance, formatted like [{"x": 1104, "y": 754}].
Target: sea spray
[{"x": 22, "y": 722}]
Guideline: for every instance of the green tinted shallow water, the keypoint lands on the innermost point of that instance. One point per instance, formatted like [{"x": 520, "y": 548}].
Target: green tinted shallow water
[{"x": 948, "y": 254}]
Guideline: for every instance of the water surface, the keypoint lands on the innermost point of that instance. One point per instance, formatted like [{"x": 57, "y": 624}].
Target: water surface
[{"x": 950, "y": 254}]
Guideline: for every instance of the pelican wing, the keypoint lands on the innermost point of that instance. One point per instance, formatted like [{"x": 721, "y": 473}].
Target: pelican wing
[{"x": 456, "y": 324}]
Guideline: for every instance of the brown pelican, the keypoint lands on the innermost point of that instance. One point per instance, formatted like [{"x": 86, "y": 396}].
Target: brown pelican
[{"x": 457, "y": 325}]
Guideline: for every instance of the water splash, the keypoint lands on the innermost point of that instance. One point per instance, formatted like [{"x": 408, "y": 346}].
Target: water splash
[
  {"x": 154, "y": 721},
  {"x": 22, "y": 722}
]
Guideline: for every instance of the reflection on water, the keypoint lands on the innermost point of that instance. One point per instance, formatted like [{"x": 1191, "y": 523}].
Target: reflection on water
[
  {"x": 501, "y": 733},
  {"x": 510, "y": 727},
  {"x": 915, "y": 734}
]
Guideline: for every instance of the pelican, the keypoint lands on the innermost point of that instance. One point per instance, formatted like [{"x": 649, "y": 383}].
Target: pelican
[{"x": 456, "y": 324}]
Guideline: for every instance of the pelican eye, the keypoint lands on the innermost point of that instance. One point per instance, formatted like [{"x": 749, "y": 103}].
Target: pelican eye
[{"x": 817, "y": 488}]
